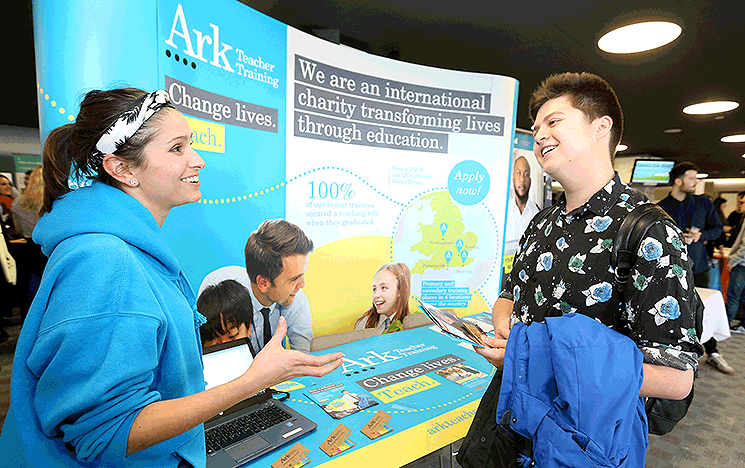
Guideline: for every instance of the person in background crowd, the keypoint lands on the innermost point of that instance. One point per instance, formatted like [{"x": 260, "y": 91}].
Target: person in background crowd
[
  {"x": 228, "y": 310},
  {"x": 6, "y": 203},
  {"x": 390, "y": 299},
  {"x": 109, "y": 360},
  {"x": 32, "y": 261},
  {"x": 734, "y": 220},
  {"x": 13, "y": 240},
  {"x": 715, "y": 274},
  {"x": 736, "y": 284},
  {"x": 698, "y": 219},
  {"x": 6, "y": 192},
  {"x": 7, "y": 290},
  {"x": 26, "y": 207},
  {"x": 25, "y": 178}
]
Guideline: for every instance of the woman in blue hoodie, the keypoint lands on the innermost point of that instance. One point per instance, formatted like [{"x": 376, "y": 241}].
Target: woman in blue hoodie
[{"x": 108, "y": 367}]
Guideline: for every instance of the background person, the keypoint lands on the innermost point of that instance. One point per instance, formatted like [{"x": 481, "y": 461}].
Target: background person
[
  {"x": 26, "y": 210},
  {"x": 734, "y": 220},
  {"x": 698, "y": 219},
  {"x": 7, "y": 290},
  {"x": 112, "y": 371},
  {"x": 390, "y": 298},
  {"x": 26, "y": 207},
  {"x": 6, "y": 192},
  {"x": 228, "y": 310},
  {"x": 26, "y": 175},
  {"x": 736, "y": 284},
  {"x": 715, "y": 273}
]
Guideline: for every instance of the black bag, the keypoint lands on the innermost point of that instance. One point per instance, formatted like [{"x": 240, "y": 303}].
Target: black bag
[
  {"x": 488, "y": 444},
  {"x": 662, "y": 414}
]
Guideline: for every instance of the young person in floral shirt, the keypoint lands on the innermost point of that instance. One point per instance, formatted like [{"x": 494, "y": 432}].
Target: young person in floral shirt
[{"x": 563, "y": 262}]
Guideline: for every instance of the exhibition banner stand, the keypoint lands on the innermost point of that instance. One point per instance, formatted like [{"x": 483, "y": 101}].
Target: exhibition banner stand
[{"x": 376, "y": 160}]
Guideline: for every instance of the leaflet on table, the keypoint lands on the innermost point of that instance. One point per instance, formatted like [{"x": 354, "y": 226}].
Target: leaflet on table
[
  {"x": 454, "y": 326},
  {"x": 465, "y": 376},
  {"x": 339, "y": 402}
]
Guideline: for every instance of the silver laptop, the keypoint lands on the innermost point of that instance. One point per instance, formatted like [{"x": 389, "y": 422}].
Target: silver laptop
[{"x": 254, "y": 426}]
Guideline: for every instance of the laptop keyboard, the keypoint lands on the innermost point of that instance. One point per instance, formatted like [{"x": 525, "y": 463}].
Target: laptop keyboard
[{"x": 240, "y": 428}]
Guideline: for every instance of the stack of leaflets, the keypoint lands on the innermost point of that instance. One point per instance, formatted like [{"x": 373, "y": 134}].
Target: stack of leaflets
[
  {"x": 483, "y": 321},
  {"x": 454, "y": 326}
]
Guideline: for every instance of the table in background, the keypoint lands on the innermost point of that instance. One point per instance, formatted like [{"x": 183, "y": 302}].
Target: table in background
[{"x": 715, "y": 315}]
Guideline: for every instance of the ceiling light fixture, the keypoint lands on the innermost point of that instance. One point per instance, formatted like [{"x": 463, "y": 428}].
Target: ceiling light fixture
[
  {"x": 734, "y": 138},
  {"x": 702, "y": 175},
  {"x": 710, "y": 107},
  {"x": 639, "y": 37},
  {"x": 621, "y": 148},
  {"x": 672, "y": 130}
]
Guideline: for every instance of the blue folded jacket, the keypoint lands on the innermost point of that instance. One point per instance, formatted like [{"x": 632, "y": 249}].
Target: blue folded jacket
[{"x": 571, "y": 385}]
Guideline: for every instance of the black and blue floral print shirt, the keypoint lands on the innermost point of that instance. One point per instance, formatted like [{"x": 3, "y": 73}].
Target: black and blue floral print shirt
[{"x": 563, "y": 265}]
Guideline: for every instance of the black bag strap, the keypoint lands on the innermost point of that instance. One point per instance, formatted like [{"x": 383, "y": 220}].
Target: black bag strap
[{"x": 626, "y": 245}]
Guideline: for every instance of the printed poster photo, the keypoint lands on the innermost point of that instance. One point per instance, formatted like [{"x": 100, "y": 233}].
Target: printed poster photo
[{"x": 339, "y": 402}]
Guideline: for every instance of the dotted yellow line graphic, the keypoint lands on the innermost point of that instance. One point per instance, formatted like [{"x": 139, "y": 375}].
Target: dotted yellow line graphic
[
  {"x": 217, "y": 201},
  {"x": 53, "y": 103}
]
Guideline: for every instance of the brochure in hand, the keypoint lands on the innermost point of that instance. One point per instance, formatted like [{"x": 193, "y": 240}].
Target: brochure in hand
[
  {"x": 454, "y": 326},
  {"x": 339, "y": 402}
]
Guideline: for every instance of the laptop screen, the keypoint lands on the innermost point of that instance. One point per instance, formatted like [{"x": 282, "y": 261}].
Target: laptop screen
[{"x": 223, "y": 365}]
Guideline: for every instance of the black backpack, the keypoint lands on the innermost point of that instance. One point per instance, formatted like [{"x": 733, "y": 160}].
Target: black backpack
[{"x": 663, "y": 414}]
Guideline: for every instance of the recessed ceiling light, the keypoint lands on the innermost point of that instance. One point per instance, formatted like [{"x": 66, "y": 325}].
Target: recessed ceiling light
[
  {"x": 711, "y": 107},
  {"x": 734, "y": 138},
  {"x": 672, "y": 130},
  {"x": 621, "y": 148},
  {"x": 639, "y": 37},
  {"x": 702, "y": 175}
]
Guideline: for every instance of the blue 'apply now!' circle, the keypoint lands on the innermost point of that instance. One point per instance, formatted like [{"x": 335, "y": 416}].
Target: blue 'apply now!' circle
[{"x": 468, "y": 182}]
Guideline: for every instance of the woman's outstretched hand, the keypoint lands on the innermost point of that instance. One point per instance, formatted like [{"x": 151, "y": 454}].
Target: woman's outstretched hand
[{"x": 274, "y": 364}]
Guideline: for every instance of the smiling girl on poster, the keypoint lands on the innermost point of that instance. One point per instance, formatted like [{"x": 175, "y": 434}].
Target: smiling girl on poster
[{"x": 390, "y": 299}]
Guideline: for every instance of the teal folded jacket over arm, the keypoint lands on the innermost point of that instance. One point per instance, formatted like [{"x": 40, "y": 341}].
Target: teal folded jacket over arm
[
  {"x": 571, "y": 385},
  {"x": 112, "y": 329}
]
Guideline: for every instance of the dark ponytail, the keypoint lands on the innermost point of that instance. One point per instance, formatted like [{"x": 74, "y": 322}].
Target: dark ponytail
[
  {"x": 57, "y": 161},
  {"x": 67, "y": 148}
]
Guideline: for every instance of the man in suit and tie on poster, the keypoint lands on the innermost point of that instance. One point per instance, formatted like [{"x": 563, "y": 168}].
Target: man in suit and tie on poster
[{"x": 276, "y": 261}]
